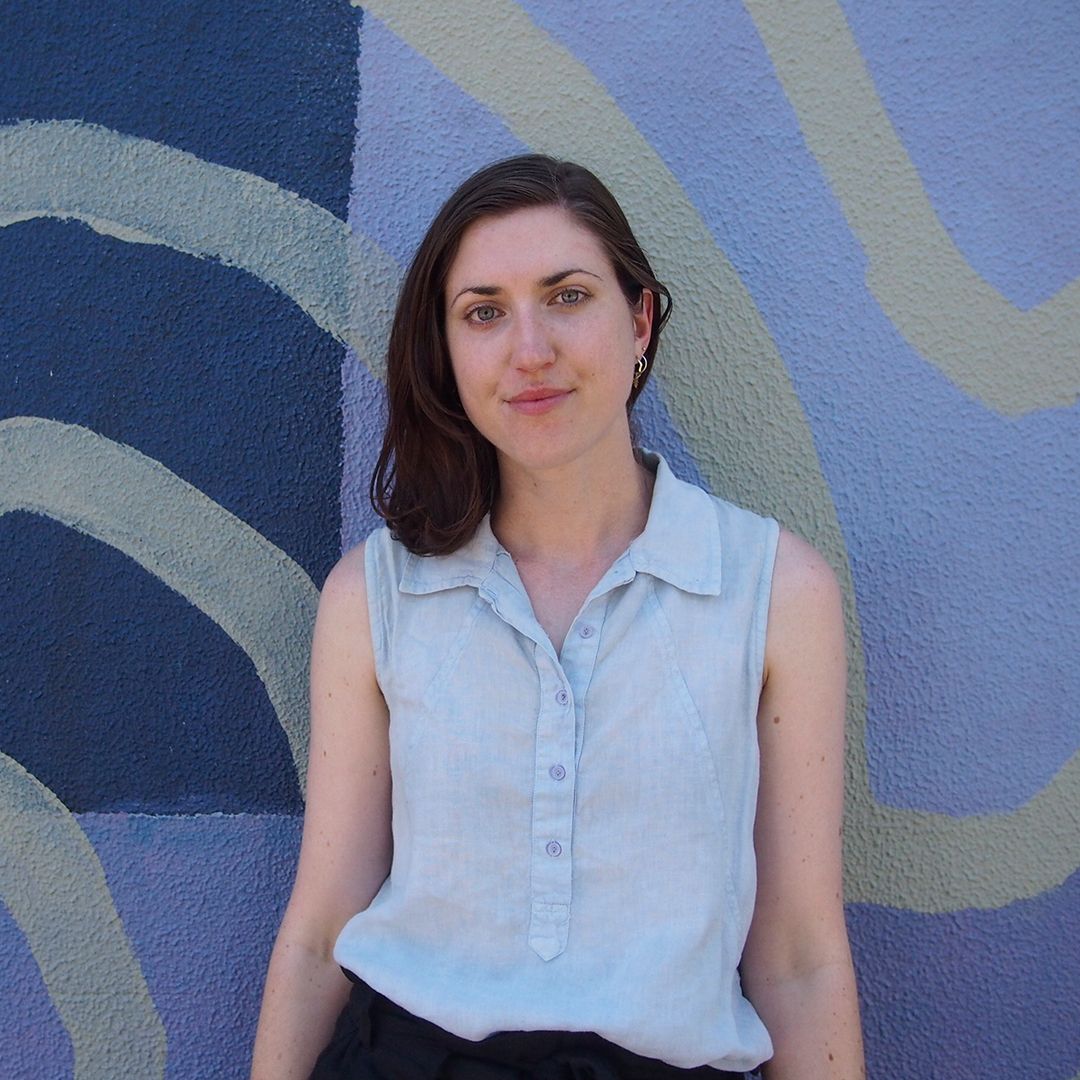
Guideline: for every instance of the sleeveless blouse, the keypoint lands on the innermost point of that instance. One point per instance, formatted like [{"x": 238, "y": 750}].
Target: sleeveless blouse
[{"x": 573, "y": 832}]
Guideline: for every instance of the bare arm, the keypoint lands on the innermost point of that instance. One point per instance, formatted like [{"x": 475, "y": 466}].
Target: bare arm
[
  {"x": 346, "y": 847},
  {"x": 797, "y": 965}
]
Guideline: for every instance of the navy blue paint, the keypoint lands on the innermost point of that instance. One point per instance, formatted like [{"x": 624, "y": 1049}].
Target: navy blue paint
[
  {"x": 196, "y": 364},
  {"x": 267, "y": 86},
  {"x": 119, "y": 694},
  {"x": 973, "y": 995},
  {"x": 233, "y": 388}
]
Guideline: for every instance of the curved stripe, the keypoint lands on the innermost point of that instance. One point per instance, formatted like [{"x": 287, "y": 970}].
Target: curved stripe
[
  {"x": 144, "y": 192},
  {"x": 54, "y": 886},
  {"x": 746, "y": 429},
  {"x": 936, "y": 863},
  {"x": 230, "y": 572},
  {"x": 1013, "y": 361}
]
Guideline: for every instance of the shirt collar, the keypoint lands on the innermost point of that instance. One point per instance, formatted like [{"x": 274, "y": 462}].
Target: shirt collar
[{"x": 680, "y": 544}]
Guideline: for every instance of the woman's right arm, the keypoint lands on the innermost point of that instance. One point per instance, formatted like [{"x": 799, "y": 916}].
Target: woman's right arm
[{"x": 346, "y": 848}]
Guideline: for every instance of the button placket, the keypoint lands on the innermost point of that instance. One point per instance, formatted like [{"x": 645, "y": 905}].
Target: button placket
[
  {"x": 553, "y": 812},
  {"x": 579, "y": 659},
  {"x": 563, "y": 684}
]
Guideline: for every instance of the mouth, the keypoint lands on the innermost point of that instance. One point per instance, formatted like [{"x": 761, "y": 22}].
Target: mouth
[{"x": 537, "y": 400}]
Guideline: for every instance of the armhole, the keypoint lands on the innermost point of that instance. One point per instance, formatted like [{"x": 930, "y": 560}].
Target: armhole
[
  {"x": 374, "y": 572},
  {"x": 764, "y": 595}
]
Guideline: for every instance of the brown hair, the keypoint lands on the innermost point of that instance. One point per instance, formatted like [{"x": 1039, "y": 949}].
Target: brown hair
[{"x": 437, "y": 476}]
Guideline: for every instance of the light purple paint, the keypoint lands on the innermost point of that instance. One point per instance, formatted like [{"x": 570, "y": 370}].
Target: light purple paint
[
  {"x": 200, "y": 898},
  {"x": 959, "y": 523},
  {"x": 986, "y": 99},
  {"x": 35, "y": 1044},
  {"x": 418, "y": 136},
  {"x": 975, "y": 995}
]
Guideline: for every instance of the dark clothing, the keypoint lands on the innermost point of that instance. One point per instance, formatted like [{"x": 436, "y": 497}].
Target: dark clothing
[{"x": 376, "y": 1039}]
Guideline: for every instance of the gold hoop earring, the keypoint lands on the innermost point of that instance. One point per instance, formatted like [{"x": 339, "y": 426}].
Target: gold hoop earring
[{"x": 641, "y": 365}]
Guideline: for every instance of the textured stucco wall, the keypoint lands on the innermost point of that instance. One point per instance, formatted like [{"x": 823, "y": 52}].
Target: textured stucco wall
[{"x": 870, "y": 217}]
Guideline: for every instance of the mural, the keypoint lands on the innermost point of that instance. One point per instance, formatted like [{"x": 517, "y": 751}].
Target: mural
[{"x": 869, "y": 221}]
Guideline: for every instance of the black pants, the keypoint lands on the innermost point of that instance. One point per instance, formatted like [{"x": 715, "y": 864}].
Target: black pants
[{"x": 377, "y": 1040}]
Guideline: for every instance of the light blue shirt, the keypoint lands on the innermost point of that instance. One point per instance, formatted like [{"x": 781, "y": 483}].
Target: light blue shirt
[{"x": 573, "y": 833}]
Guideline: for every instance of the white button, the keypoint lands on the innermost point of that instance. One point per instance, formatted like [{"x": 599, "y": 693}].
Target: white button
[
  {"x": 557, "y": 772},
  {"x": 562, "y": 697},
  {"x": 586, "y": 631},
  {"x": 553, "y": 848}
]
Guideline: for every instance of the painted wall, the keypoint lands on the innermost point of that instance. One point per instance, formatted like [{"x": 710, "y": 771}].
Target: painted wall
[{"x": 870, "y": 218}]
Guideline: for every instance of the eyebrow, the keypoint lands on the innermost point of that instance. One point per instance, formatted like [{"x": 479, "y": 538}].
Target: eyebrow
[{"x": 544, "y": 283}]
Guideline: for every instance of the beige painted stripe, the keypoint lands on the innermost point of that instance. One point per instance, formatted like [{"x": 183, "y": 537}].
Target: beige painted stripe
[
  {"x": 230, "y": 572},
  {"x": 1013, "y": 361},
  {"x": 50, "y": 877},
  {"x": 143, "y": 192},
  {"x": 935, "y": 863},
  {"x": 54, "y": 886},
  {"x": 731, "y": 396}
]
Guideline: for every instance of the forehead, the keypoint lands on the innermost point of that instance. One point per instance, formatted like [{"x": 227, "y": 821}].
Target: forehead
[{"x": 529, "y": 243}]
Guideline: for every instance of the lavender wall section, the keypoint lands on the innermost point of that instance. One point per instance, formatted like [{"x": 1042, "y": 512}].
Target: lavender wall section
[{"x": 147, "y": 756}]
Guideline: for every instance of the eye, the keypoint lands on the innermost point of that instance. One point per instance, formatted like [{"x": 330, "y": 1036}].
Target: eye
[
  {"x": 483, "y": 313},
  {"x": 570, "y": 295}
]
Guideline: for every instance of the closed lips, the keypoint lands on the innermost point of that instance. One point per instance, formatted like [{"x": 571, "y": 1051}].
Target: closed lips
[{"x": 540, "y": 394}]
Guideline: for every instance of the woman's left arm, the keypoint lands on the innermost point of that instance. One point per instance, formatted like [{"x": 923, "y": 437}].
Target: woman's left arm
[{"x": 796, "y": 966}]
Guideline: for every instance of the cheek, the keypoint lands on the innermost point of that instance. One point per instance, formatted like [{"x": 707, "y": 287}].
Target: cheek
[
  {"x": 468, "y": 380},
  {"x": 474, "y": 393}
]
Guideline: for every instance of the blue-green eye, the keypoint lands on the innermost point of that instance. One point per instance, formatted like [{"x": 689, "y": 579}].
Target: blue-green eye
[
  {"x": 484, "y": 313},
  {"x": 571, "y": 296}
]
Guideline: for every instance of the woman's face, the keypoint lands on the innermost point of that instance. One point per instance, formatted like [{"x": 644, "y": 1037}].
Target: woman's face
[{"x": 542, "y": 338}]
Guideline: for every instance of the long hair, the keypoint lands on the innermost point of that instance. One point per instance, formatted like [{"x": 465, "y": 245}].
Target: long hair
[{"x": 437, "y": 476}]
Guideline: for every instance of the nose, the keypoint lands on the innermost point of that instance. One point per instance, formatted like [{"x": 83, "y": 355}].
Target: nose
[{"x": 532, "y": 346}]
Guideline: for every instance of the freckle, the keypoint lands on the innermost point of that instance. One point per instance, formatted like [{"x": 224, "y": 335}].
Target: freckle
[
  {"x": 375, "y": 770},
  {"x": 830, "y": 1057},
  {"x": 822, "y": 757},
  {"x": 776, "y": 719}
]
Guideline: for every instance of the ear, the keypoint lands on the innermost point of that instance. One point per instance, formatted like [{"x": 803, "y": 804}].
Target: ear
[{"x": 642, "y": 314}]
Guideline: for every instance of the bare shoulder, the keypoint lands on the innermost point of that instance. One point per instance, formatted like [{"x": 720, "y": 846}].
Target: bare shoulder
[
  {"x": 801, "y": 572},
  {"x": 805, "y": 608},
  {"x": 344, "y": 593},
  {"x": 347, "y": 578},
  {"x": 341, "y": 652}
]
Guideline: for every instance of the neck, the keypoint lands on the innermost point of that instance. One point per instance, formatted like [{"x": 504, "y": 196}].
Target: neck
[{"x": 574, "y": 515}]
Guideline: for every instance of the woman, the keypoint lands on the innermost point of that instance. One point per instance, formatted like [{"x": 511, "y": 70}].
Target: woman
[{"x": 572, "y": 663}]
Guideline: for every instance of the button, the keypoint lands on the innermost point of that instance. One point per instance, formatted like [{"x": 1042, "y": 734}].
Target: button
[
  {"x": 553, "y": 848},
  {"x": 557, "y": 772},
  {"x": 562, "y": 697},
  {"x": 587, "y": 631}
]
